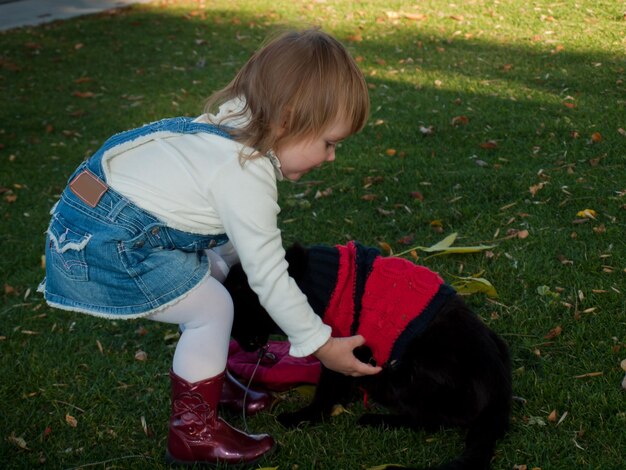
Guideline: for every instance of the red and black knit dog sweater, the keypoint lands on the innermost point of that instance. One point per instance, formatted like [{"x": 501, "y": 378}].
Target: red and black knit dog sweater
[{"x": 388, "y": 300}]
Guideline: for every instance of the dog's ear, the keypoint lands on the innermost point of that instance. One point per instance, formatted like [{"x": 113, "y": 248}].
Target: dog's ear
[{"x": 297, "y": 256}]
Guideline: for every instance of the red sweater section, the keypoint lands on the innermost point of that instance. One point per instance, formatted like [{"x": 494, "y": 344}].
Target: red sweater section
[{"x": 396, "y": 292}]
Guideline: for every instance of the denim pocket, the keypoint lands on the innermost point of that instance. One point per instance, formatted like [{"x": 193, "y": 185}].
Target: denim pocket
[{"x": 67, "y": 248}]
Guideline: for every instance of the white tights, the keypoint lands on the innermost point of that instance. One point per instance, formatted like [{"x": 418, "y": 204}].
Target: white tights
[{"x": 205, "y": 316}]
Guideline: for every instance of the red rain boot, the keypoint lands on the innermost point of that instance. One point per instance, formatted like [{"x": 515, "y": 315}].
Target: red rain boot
[
  {"x": 198, "y": 435},
  {"x": 233, "y": 394}
]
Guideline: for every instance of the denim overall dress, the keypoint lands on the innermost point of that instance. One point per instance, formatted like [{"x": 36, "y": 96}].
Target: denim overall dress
[{"x": 108, "y": 257}]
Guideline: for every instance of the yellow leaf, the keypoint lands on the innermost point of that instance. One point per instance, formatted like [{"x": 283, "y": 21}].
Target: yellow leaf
[
  {"x": 307, "y": 391},
  {"x": 268, "y": 468},
  {"x": 444, "y": 247},
  {"x": 587, "y": 214},
  {"x": 474, "y": 285},
  {"x": 337, "y": 410}
]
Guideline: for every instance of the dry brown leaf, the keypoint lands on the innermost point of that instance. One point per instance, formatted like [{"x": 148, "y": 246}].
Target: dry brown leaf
[
  {"x": 589, "y": 374},
  {"x": 554, "y": 332},
  {"x": 69, "y": 419},
  {"x": 141, "y": 356},
  {"x": 552, "y": 416},
  {"x": 406, "y": 240},
  {"x": 83, "y": 94},
  {"x": 535, "y": 188},
  {"x": 490, "y": 144},
  {"x": 386, "y": 248},
  {"x": 324, "y": 193},
  {"x": 460, "y": 121},
  {"x": 417, "y": 195},
  {"x": 18, "y": 441}
]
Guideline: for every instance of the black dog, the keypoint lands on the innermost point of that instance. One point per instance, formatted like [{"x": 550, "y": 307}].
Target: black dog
[{"x": 446, "y": 369}]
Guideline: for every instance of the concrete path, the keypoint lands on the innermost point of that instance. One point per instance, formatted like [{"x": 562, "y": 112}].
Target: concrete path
[{"x": 16, "y": 13}]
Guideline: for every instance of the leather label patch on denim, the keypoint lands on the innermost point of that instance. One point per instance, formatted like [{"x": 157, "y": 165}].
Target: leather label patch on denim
[{"x": 88, "y": 188}]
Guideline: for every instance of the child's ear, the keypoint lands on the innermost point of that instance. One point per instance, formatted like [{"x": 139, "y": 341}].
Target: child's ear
[
  {"x": 297, "y": 257},
  {"x": 282, "y": 125}
]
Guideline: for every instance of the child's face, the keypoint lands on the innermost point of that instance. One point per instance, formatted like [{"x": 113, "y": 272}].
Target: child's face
[{"x": 299, "y": 157}]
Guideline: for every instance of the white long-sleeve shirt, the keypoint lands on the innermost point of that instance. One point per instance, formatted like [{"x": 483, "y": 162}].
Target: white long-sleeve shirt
[{"x": 195, "y": 183}]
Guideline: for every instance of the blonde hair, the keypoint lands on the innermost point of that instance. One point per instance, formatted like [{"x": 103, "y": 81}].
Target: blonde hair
[{"x": 299, "y": 82}]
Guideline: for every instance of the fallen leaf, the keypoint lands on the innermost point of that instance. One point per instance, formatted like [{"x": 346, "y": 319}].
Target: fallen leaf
[
  {"x": 552, "y": 416},
  {"x": 445, "y": 247},
  {"x": 596, "y": 137},
  {"x": 337, "y": 410},
  {"x": 475, "y": 285},
  {"x": 406, "y": 240},
  {"x": 356, "y": 37},
  {"x": 600, "y": 229},
  {"x": 324, "y": 193},
  {"x": 417, "y": 195},
  {"x": 386, "y": 248},
  {"x": 83, "y": 94},
  {"x": 535, "y": 188},
  {"x": 306, "y": 391},
  {"x": 460, "y": 121},
  {"x": 430, "y": 130},
  {"x": 490, "y": 144},
  {"x": 69, "y": 419},
  {"x": 18, "y": 441},
  {"x": 590, "y": 374},
  {"x": 554, "y": 332},
  {"x": 415, "y": 16},
  {"x": 390, "y": 152},
  {"x": 587, "y": 214},
  {"x": 141, "y": 355}
]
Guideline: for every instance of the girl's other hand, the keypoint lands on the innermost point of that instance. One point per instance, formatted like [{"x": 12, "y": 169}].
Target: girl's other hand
[{"x": 337, "y": 354}]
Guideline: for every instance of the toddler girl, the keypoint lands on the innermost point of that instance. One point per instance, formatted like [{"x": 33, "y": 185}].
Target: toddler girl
[{"x": 149, "y": 225}]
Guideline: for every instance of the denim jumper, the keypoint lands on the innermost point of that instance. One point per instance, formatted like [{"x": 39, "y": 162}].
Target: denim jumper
[{"x": 106, "y": 256}]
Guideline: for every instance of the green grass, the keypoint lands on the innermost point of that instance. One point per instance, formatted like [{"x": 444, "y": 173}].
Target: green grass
[{"x": 537, "y": 78}]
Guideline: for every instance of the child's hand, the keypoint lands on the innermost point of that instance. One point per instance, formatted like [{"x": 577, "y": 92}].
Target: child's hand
[{"x": 337, "y": 355}]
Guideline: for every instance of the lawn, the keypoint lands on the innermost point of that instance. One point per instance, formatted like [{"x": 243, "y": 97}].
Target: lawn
[{"x": 501, "y": 121}]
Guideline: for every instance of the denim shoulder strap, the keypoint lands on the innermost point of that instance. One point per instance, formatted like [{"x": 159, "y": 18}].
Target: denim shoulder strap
[{"x": 135, "y": 137}]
